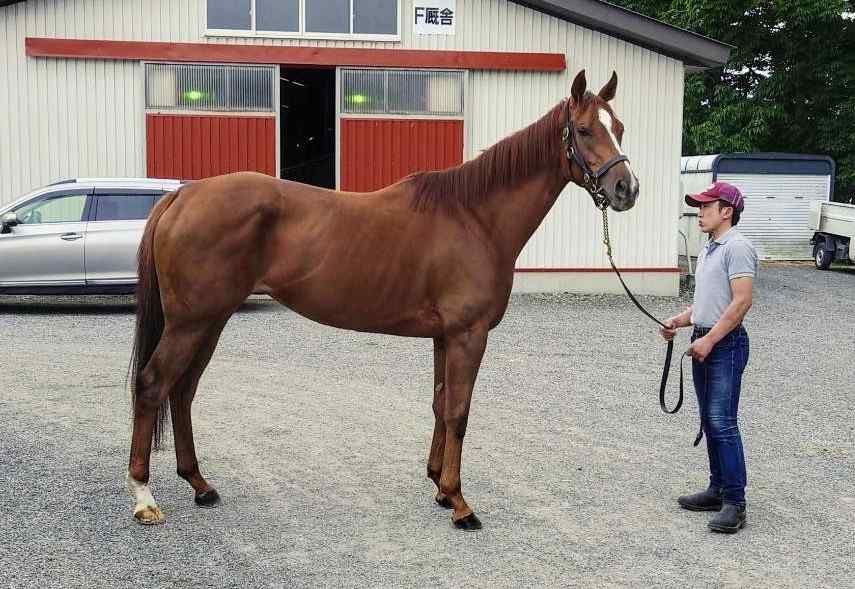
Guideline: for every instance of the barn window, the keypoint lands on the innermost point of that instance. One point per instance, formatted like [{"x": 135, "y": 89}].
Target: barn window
[
  {"x": 277, "y": 15},
  {"x": 229, "y": 14},
  {"x": 311, "y": 18},
  {"x": 328, "y": 16},
  {"x": 375, "y": 17},
  {"x": 182, "y": 87},
  {"x": 402, "y": 92}
]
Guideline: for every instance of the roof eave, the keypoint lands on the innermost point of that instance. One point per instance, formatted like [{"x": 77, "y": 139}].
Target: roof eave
[{"x": 695, "y": 51}]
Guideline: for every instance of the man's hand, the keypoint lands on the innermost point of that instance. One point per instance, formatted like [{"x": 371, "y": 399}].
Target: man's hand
[
  {"x": 669, "y": 331},
  {"x": 684, "y": 319},
  {"x": 701, "y": 348}
]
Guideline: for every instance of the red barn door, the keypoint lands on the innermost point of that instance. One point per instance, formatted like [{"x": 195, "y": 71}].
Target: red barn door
[
  {"x": 190, "y": 147},
  {"x": 378, "y": 152}
]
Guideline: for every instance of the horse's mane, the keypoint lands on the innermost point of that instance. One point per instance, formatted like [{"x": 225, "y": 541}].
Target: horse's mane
[{"x": 506, "y": 163}]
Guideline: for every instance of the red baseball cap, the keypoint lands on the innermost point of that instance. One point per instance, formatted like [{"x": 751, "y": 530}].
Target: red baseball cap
[{"x": 717, "y": 191}]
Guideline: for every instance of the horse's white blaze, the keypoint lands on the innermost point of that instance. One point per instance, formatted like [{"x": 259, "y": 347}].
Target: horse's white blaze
[
  {"x": 141, "y": 493},
  {"x": 606, "y": 119}
]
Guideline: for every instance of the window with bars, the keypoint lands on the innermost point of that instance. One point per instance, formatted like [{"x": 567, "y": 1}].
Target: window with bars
[
  {"x": 195, "y": 87},
  {"x": 406, "y": 92},
  {"x": 304, "y": 17}
]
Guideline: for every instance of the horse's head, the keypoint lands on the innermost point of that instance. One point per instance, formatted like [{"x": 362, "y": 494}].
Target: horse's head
[{"x": 592, "y": 136}]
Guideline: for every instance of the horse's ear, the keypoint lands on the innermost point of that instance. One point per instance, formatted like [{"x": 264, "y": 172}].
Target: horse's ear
[
  {"x": 610, "y": 89},
  {"x": 580, "y": 84}
]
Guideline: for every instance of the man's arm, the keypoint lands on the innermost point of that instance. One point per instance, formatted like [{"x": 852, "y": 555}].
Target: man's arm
[
  {"x": 684, "y": 319},
  {"x": 742, "y": 298}
]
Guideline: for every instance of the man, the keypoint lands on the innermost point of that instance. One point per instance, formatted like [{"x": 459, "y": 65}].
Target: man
[{"x": 723, "y": 282}]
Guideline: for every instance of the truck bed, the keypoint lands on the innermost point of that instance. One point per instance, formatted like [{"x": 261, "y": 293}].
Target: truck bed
[{"x": 836, "y": 218}]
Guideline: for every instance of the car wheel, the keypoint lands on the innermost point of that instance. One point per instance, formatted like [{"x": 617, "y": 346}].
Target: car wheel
[{"x": 821, "y": 257}]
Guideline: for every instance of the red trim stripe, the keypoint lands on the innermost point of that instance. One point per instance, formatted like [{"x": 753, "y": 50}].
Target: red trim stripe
[{"x": 311, "y": 56}]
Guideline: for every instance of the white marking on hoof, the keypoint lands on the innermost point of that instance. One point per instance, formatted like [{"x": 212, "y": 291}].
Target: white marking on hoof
[{"x": 146, "y": 510}]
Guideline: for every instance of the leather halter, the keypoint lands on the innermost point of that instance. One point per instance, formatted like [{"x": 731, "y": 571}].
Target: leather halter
[{"x": 590, "y": 178}]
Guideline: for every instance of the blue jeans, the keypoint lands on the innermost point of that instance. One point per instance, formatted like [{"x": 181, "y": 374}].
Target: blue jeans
[{"x": 718, "y": 382}]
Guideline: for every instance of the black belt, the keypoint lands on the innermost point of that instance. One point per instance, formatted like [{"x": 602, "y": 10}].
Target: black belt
[{"x": 702, "y": 331}]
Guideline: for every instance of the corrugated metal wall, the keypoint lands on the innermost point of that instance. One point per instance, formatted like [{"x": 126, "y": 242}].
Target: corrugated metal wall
[
  {"x": 62, "y": 119},
  {"x": 68, "y": 117},
  {"x": 378, "y": 152},
  {"x": 190, "y": 147},
  {"x": 776, "y": 212}
]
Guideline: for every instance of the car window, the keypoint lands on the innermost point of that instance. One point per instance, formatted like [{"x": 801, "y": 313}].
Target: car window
[
  {"x": 123, "y": 207},
  {"x": 63, "y": 208}
]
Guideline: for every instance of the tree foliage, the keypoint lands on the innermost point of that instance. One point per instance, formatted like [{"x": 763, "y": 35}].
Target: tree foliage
[{"x": 789, "y": 85}]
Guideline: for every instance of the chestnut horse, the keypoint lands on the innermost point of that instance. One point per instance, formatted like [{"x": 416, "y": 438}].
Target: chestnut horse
[{"x": 431, "y": 256}]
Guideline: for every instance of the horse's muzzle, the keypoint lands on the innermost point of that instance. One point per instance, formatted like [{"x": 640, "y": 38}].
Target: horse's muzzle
[{"x": 625, "y": 192}]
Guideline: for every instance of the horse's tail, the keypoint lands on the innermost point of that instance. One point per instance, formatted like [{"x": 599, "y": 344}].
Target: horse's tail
[{"x": 149, "y": 327}]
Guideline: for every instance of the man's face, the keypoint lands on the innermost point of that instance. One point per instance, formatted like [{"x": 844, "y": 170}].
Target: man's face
[{"x": 711, "y": 215}]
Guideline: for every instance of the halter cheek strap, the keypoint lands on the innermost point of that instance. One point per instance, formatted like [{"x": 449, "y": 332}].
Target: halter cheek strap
[{"x": 590, "y": 178}]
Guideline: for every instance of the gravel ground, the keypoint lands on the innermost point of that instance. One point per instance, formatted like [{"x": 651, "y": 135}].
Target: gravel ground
[{"x": 317, "y": 439}]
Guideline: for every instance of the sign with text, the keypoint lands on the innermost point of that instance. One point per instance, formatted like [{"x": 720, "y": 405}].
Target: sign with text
[{"x": 434, "y": 17}]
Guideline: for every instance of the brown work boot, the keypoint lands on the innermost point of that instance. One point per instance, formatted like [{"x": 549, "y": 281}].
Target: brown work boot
[{"x": 709, "y": 500}]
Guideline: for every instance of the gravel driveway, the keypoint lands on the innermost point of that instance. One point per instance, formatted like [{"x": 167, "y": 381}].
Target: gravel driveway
[{"x": 317, "y": 439}]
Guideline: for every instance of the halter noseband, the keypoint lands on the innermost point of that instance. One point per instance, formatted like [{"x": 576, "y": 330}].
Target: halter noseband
[{"x": 590, "y": 178}]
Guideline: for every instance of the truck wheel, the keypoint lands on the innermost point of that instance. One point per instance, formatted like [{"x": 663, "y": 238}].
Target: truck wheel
[{"x": 821, "y": 257}]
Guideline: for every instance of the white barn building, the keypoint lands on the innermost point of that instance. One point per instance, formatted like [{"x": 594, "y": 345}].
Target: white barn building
[{"x": 351, "y": 94}]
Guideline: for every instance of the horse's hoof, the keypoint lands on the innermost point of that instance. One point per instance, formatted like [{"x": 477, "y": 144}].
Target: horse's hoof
[
  {"x": 209, "y": 498},
  {"x": 149, "y": 516},
  {"x": 468, "y": 523},
  {"x": 443, "y": 501}
]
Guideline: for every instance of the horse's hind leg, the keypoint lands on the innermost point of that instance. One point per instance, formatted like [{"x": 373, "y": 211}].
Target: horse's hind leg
[
  {"x": 437, "y": 446},
  {"x": 180, "y": 403},
  {"x": 167, "y": 366}
]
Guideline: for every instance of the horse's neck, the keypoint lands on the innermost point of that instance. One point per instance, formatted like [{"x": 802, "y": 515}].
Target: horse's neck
[{"x": 512, "y": 216}]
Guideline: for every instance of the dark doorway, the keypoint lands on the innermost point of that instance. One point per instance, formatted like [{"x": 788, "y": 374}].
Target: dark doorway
[{"x": 308, "y": 125}]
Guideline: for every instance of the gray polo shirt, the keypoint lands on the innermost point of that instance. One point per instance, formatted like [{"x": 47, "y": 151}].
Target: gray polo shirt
[{"x": 728, "y": 257}]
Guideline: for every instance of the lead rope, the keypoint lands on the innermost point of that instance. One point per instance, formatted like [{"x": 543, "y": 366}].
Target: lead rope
[{"x": 670, "y": 351}]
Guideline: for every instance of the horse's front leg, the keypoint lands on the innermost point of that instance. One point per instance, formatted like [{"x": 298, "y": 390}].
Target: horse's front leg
[
  {"x": 437, "y": 446},
  {"x": 464, "y": 351}
]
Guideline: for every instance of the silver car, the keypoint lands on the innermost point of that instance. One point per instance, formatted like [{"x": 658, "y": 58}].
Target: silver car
[{"x": 77, "y": 236}]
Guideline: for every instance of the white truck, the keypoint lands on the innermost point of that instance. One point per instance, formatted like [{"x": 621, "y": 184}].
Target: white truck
[{"x": 833, "y": 224}]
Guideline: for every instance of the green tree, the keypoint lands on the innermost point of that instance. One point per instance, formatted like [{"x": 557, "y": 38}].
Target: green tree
[{"x": 789, "y": 85}]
